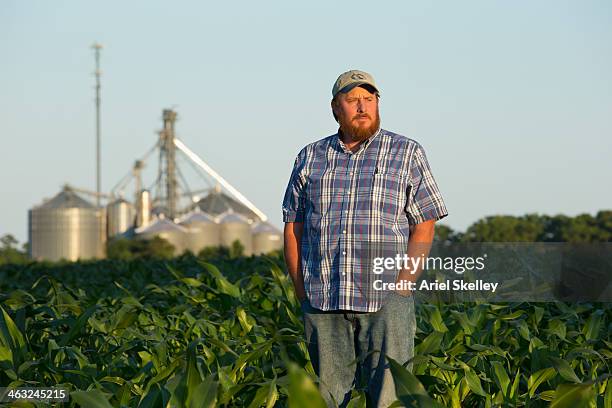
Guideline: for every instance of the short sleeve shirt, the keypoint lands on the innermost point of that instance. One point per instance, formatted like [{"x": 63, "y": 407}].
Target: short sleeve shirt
[{"x": 355, "y": 205}]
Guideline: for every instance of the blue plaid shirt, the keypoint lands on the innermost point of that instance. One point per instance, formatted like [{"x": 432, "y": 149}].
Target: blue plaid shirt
[{"x": 351, "y": 201}]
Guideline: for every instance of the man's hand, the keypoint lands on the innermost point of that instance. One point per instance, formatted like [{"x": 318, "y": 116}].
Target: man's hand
[
  {"x": 419, "y": 244},
  {"x": 293, "y": 255}
]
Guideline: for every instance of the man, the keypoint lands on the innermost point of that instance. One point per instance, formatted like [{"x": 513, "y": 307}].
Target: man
[{"x": 359, "y": 192}]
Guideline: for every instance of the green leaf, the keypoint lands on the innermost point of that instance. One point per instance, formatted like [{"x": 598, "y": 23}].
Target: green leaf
[
  {"x": 515, "y": 384},
  {"x": 205, "y": 394},
  {"x": 267, "y": 394},
  {"x": 565, "y": 370},
  {"x": 5, "y": 354},
  {"x": 303, "y": 393},
  {"x": 465, "y": 323},
  {"x": 513, "y": 315},
  {"x": 435, "y": 319},
  {"x": 473, "y": 382},
  {"x": 91, "y": 399},
  {"x": 558, "y": 328},
  {"x": 538, "y": 378},
  {"x": 192, "y": 282},
  {"x": 501, "y": 377},
  {"x": 10, "y": 336},
  {"x": 223, "y": 284},
  {"x": 178, "y": 392},
  {"x": 244, "y": 320},
  {"x": 192, "y": 379},
  {"x": 358, "y": 401},
  {"x": 524, "y": 330},
  {"x": 408, "y": 388},
  {"x": 153, "y": 398},
  {"x": 538, "y": 312},
  {"x": 547, "y": 395},
  {"x": 77, "y": 326},
  {"x": 593, "y": 325},
  {"x": 430, "y": 344},
  {"x": 573, "y": 395}
]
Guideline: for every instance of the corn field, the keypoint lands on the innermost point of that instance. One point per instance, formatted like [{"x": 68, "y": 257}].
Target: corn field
[{"x": 189, "y": 333}]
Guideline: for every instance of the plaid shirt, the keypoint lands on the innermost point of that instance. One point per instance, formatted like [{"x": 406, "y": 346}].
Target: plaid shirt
[{"x": 348, "y": 201}]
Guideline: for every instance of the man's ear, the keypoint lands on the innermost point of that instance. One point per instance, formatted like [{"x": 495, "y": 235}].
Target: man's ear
[{"x": 334, "y": 106}]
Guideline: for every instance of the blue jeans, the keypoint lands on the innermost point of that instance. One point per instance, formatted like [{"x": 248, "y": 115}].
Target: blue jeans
[{"x": 335, "y": 339}]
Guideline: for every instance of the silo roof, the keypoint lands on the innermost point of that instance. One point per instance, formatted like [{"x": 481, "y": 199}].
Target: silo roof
[
  {"x": 265, "y": 227},
  {"x": 119, "y": 200},
  {"x": 160, "y": 225},
  {"x": 196, "y": 217},
  {"x": 217, "y": 203},
  {"x": 230, "y": 216},
  {"x": 66, "y": 199}
]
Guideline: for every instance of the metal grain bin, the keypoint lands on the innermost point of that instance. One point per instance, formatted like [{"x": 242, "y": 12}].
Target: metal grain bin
[
  {"x": 266, "y": 238},
  {"x": 166, "y": 229},
  {"x": 203, "y": 231},
  {"x": 119, "y": 217},
  {"x": 236, "y": 227},
  {"x": 66, "y": 227},
  {"x": 217, "y": 203},
  {"x": 143, "y": 208}
]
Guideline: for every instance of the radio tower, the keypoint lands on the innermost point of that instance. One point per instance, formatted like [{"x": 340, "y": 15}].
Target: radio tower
[{"x": 97, "y": 47}]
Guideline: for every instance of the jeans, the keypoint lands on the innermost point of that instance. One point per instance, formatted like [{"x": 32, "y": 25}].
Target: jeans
[{"x": 335, "y": 339}]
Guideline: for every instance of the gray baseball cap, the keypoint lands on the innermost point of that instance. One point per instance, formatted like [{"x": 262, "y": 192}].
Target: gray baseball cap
[{"x": 351, "y": 79}]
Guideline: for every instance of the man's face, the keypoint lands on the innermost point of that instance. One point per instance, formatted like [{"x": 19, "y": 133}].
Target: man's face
[{"x": 357, "y": 113}]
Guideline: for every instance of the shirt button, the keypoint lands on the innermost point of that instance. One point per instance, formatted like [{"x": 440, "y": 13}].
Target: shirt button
[
  {"x": 344, "y": 232},
  {"x": 346, "y": 211},
  {"x": 351, "y": 173},
  {"x": 349, "y": 193},
  {"x": 343, "y": 252},
  {"x": 343, "y": 273}
]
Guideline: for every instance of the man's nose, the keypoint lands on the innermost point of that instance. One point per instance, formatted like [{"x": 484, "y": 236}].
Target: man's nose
[{"x": 360, "y": 106}]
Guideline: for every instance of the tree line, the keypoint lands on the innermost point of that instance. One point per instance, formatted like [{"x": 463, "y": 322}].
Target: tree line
[{"x": 496, "y": 228}]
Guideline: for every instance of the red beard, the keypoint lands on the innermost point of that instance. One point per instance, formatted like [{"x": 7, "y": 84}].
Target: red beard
[{"x": 356, "y": 132}]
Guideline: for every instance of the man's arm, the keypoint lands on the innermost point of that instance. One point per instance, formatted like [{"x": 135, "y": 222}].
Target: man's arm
[
  {"x": 419, "y": 244},
  {"x": 293, "y": 255}
]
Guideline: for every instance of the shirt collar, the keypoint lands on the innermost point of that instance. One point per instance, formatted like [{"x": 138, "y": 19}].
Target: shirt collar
[{"x": 362, "y": 146}]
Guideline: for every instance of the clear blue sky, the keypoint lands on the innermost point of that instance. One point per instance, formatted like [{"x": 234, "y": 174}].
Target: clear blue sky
[{"x": 511, "y": 100}]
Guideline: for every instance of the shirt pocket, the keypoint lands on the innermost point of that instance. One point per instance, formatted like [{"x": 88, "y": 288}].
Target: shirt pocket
[{"x": 390, "y": 195}]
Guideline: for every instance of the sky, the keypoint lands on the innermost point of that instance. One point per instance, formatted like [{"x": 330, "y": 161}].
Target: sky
[{"x": 512, "y": 101}]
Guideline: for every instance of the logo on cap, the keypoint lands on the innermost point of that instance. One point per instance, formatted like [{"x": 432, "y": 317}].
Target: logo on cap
[{"x": 357, "y": 76}]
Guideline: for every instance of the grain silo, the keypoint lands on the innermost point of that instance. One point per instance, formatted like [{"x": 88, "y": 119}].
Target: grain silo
[
  {"x": 266, "y": 238},
  {"x": 143, "y": 208},
  {"x": 66, "y": 227},
  {"x": 236, "y": 227},
  {"x": 166, "y": 229},
  {"x": 202, "y": 231},
  {"x": 120, "y": 216},
  {"x": 217, "y": 203}
]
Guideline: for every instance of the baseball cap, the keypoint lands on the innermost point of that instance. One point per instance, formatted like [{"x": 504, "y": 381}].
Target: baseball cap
[{"x": 351, "y": 79}]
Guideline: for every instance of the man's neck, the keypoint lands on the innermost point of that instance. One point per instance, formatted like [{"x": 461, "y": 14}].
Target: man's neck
[{"x": 348, "y": 141}]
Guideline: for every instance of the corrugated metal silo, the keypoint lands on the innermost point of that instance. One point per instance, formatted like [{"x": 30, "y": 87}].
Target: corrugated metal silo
[
  {"x": 66, "y": 227},
  {"x": 236, "y": 227},
  {"x": 218, "y": 203},
  {"x": 120, "y": 217},
  {"x": 143, "y": 208},
  {"x": 166, "y": 229},
  {"x": 266, "y": 238},
  {"x": 203, "y": 231}
]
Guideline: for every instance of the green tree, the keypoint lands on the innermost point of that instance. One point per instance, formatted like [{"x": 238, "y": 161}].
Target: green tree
[
  {"x": 445, "y": 233},
  {"x": 506, "y": 228},
  {"x": 214, "y": 252},
  {"x": 128, "y": 249},
  {"x": 9, "y": 254},
  {"x": 236, "y": 250}
]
